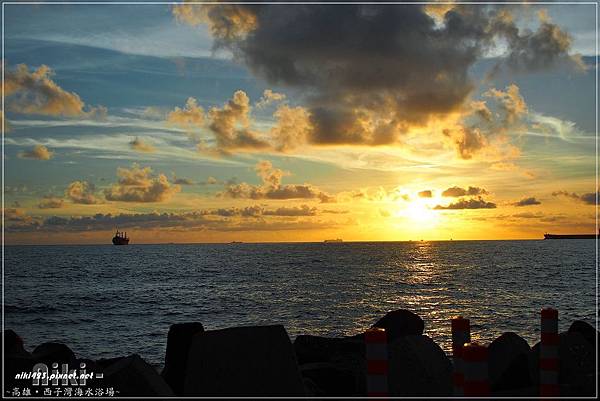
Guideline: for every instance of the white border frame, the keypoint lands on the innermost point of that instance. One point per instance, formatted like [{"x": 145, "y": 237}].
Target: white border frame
[{"x": 300, "y": 3}]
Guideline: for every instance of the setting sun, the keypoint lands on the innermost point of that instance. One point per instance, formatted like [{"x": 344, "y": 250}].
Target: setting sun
[{"x": 420, "y": 212}]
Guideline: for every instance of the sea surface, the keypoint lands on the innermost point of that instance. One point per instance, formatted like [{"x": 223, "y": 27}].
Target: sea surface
[{"x": 106, "y": 301}]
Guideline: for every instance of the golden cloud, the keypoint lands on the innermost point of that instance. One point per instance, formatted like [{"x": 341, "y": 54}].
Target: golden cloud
[
  {"x": 34, "y": 92},
  {"x": 39, "y": 152},
  {"x": 140, "y": 185}
]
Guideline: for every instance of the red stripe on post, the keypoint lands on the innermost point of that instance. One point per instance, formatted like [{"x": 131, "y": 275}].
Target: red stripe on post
[
  {"x": 458, "y": 378},
  {"x": 550, "y": 338},
  {"x": 375, "y": 335},
  {"x": 478, "y": 388},
  {"x": 377, "y": 367},
  {"x": 549, "y": 364},
  {"x": 549, "y": 390},
  {"x": 459, "y": 323},
  {"x": 473, "y": 352},
  {"x": 377, "y": 394},
  {"x": 550, "y": 313}
]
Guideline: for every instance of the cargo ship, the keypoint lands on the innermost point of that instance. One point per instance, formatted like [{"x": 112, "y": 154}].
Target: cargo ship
[
  {"x": 120, "y": 238},
  {"x": 572, "y": 236},
  {"x": 329, "y": 241}
]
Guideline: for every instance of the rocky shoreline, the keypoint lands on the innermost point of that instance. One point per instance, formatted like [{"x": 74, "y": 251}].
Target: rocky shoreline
[{"x": 262, "y": 361}]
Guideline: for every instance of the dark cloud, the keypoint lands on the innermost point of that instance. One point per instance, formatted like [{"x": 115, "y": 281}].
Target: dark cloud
[
  {"x": 478, "y": 203},
  {"x": 328, "y": 211},
  {"x": 303, "y": 210},
  {"x": 527, "y": 202},
  {"x": 535, "y": 50},
  {"x": 458, "y": 191},
  {"x": 425, "y": 194},
  {"x": 528, "y": 215},
  {"x": 467, "y": 140},
  {"x": 225, "y": 219},
  {"x": 272, "y": 188},
  {"x": 182, "y": 181},
  {"x": 588, "y": 198},
  {"x": 379, "y": 69}
]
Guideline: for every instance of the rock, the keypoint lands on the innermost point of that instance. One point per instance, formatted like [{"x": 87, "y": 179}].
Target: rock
[
  {"x": 418, "y": 367},
  {"x": 585, "y": 329},
  {"x": 103, "y": 363},
  {"x": 310, "y": 387},
  {"x": 13, "y": 345},
  {"x": 576, "y": 365},
  {"x": 400, "y": 323},
  {"x": 330, "y": 379},
  {"x": 243, "y": 361},
  {"x": 323, "y": 349},
  {"x": 508, "y": 363},
  {"x": 179, "y": 340},
  {"x": 51, "y": 352},
  {"x": 335, "y": 365},
  {"x": 132, "y": 376},
  {"x": 14, "y": 364}
]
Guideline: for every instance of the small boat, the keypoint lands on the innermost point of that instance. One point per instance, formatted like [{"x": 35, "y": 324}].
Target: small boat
[
  {"x": 120, "y": 238},
  {"x": 236, "y": 242},
  {"x": 329, "y": 241},
  {"x": 571, "y": 236}
]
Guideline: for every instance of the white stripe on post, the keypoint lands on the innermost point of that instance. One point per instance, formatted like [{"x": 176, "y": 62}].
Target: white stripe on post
[
  {"x": 377, "y": 362},
  {"x": 461, "y": 334}
]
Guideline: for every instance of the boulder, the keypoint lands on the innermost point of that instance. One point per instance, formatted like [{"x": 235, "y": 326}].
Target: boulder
[
  {"x": 508, "y": 363},
  {"x": 134, "y": 377},
  {"x": 400, "y": 323},
  {"x": 243, "y": 361},
  {"x": 335, "y": 365},
  {"x": 331, "y": 380},
  {"x": 310, "y": 349},
  {"x": 586, "y": 330},
  {"x": 576, "y": 365},
  {"x": 103, "y": 363},
  {"x": 179, "y": 340},
  {"x": 52, "y": 352},
  {"x": 13, "y": 344},
  {"x": 418, "y": 367},
  {"x": 16, "y": 360},
  {"x": 310, "y": 387}
]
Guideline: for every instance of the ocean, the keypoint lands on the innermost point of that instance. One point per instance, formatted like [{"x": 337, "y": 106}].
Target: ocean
[{"x": 107, "y": 301}]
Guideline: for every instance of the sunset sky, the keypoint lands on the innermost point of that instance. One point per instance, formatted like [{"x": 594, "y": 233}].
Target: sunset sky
[{"x": 215, "y": 123}]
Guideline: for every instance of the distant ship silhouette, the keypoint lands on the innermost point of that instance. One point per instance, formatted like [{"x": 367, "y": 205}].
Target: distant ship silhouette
[
  {"x": 328, "y": 241},
  {"x": 571, "y": 236},
  {"x": 120, "y": 238}
]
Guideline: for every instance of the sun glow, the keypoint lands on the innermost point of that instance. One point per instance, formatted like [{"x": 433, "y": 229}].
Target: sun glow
[{"x": 420, "y": 212}]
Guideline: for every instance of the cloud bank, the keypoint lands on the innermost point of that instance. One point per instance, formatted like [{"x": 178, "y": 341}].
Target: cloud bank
[{"x": 272, "y": 187}]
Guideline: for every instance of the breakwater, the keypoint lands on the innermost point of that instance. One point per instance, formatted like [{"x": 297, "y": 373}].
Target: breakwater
[{"x": 392, "y": 358}]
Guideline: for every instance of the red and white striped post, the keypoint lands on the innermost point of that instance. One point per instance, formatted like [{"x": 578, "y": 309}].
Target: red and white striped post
[
  {"x": 461, "y": 334},
  {"x": 377, "y": 362},
  {"x": 549, "y": 354},
  {"x": 476, "y": 383}
]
